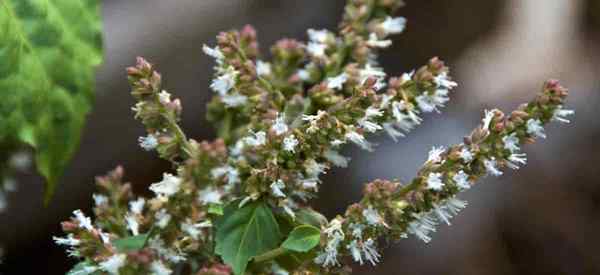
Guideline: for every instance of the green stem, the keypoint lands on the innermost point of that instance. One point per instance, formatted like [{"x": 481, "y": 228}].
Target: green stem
[{"x": 270, "y": 255}]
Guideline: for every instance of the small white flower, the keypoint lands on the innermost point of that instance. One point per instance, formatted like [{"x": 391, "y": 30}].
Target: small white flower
[
  {"x": 329, "y": 256},
  {"x": 231, "y": 173},
  {"x": 86, "y": 269},
  {"x": 434, "y": 181},
  {"x": 20, "y": 161},
  {"x": 313, "y": 168},
  {"x": 209, "y": 195},
  {"x": 310, "y": 184},
  {"x": 303, "y": 74},
  {"x": 132, "y": 224},
  {"x": 149, "y": 142},
  {"x": 370, "y": 251},
  {"x": 99, "y": 200},
  {"x": 334, "y": 227},
  {"x": 169, "y": 185},
  {"x": 561, "y": 114},
  {"x": 337, "y": 142},
  {"x": 511, "y": 143},
  {"x": 313, "y": 120},
  {"x": 162, "y": 218},
  {"x": 114, "y": 263},
  {"x": 289, "y": 143},
  {"x": 158, "y": 268},
  {"x": 337, "y": 82},
  {"x": 316, "y": 49},
  {"x": 68, "y": 241},
  {"x": 191, "y": 229},
  {"x": 164, "y": 97},
  {"x": 372, "y": 111},
  {"x": 234, "y": 100},
  {"x": 443, "y": 81},
  {"x": 171, "y": 255},
  {"x": 319, "y": 36},
  {"x": 390, "y": 129},
  {"x": 214, "y": 53},
  {"x": 489, "y": 115},
  {"x": 256, "y": 139},
  {"x": 357, "y": 230},
  {"x": 263, "y": 68},
  {"x": 277, "y": 188},
  {"x": 535, "y": 128},
  {"x": 407, "y": 77},
  {"x": 224, "y": 82},
  {"x": 137, "y": 206},
  {"x": 422, "y": 226},
  {"x": 336, "y": 158},
  {"x": 429, "y": 103},
  {"x": 435, "y": 154},
  {"x": 355, "y": 251},
  {"x": 462, "y": 180},
  {"x": 368, "y": 125},
  {"x": 279, "y": 126},
  {"x": 370, "y": 71},
  {"x": 465, "y": 154},
  {"x": 374, "y": 42},
  {"x": 514, "y": 160},
  {"x": 393, "y": 25},
  {"x": 359, "y": 140},
  {"x": 84, "y": 222},
  {"x": 372, "y": 216},
  {"x": 491, "y": 167}
]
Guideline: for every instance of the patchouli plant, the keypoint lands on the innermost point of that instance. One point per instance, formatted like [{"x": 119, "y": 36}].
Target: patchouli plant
[{"x": 240, "y": 204}]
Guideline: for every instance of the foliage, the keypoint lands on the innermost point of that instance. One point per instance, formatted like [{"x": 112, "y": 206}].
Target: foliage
[{"x": 49, "y": 52}]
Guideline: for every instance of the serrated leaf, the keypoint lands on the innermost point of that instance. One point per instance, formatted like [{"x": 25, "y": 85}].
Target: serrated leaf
[
  {"x": 132, "y": 243},
  {"x": 48, "y": 54},
  {"x": 302, "y": 239},
  {"x": 243, "y": 233}
]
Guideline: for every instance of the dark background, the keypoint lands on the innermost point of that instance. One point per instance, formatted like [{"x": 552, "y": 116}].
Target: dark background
[{"x": 541, "y": 220}]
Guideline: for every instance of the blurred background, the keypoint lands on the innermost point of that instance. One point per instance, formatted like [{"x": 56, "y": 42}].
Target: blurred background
[{"x": 542, "y": 220}]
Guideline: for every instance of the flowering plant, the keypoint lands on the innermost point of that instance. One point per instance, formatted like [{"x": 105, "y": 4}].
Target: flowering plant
[{"x": 240, "y": 204}]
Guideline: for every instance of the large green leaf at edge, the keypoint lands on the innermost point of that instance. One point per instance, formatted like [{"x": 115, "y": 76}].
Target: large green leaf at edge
[
  {"x": 49, "y": 50},
  {"x": 243, "y": 233}
]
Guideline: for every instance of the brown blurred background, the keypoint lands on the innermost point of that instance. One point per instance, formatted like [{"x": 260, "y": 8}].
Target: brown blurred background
[{"x": 542, "y": 219}]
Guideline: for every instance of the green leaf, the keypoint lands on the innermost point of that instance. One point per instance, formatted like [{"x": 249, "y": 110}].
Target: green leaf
[
  {"x": 302, "y": 239},
  {"x": 132, "y": 243},
  {"x": 311, "y": 217},
  {"x": 243, "y": 233},
  {"x": 215, "y": 209},
  {"x": 49, "y": 51}
]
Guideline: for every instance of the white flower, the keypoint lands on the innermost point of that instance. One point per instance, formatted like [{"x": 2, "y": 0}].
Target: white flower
[
  {"x": 374, "y": 42},
  {"x": 491, "y": 167},
  {"x": 20, "y": 161},
  {"x": 407, "y": 77},
  {"x": 489, "y": 115},
  {"x": 114, "y": 263},
  {"x": 337, "y": 142},
  {"x": 171, "y": 255},
  {"x": 329, "y": 256},
  {"x": 319, "y": 36},
  {"x": 137, "y": 206},
  {"x": 313, "y": 120},
  {"x": 337, "y": 82},
  {"x": 511, "y": 143},
  {"x": 231, "y": 173},
  {"x": 256, "y": 139},
  {"x": 99, "y": 200},
  {"x": 462, "y": 180},
  {"x": 449, "y": 209},
  {"x": 310, "y": 183},
  {"x": 357, "y": 230},
  {"x": 393, "y": 25},
  {"x": 435, "y": 154},
  {"x": 316, "y": 49},
  {"x": 434, "y": 181},
  {"x": 392, "y": 132},
  {"x": 86, "y": 269},
  {"x": 84, "y": 222},
  {"x": 466, "y": 154},
  {"x": 372, "y": 216},
  {"x": 561, "y": 114},
  {"x": 336, "y": 158},
  {"x": 224, "y": 82},
  {"x": 214, "y": 53},
  {"x": 162, "y": 218},
  {"x": 514, "y": 160},
  {"x": 303, "y": 74},
  {"x": 313, "y": 168},
  {"x": 164, "y": 97},
  {"x": 359, "y": 140},
  {"x": 443, "y": 81},
  {"x": 209, "y": 195},
  {"x": 169, "y": 185},
  {"x": 104, "y": 236},
  {"x": 368, "y": 125},
  {"x": 422, "y": 226},
  {"x": 370, "y": 71},
  {"x": 276, "y": 188},
  {"x": 535, "y": 128},
  {"x": 191, "y": 229},
  {"x": 289, "y": 143},
  {"x": 429, "y": 103},
  {"x": 158, "y": 268},
  {"x": 263, "y": 68},
  {"x": 149, "y": 142},
  {"x": 68, "y": 241},
  {"x": 370, "y": 251},
  {"x": 234, "y": 100},
  {"x": 355, "y": 251},
  {"x": 279, "y": 126},
  {"x": 334, "y": 227},
  {"x": 132, "y": 224}
]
